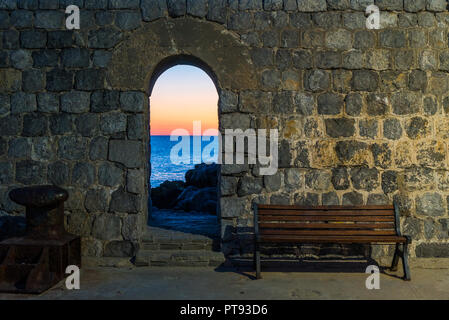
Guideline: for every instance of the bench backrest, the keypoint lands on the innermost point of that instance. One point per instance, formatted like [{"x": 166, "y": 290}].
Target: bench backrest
[{"x": 326, "y": 220}]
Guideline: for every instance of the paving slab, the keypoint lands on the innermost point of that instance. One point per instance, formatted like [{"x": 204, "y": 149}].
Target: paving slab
[{"x": 199, "y": 283}]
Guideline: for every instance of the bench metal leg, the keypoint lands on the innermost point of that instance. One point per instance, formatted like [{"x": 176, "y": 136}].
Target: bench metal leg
[
  {"x": 405, "y": 262},
  {"x": 394, "y": 264},
  {"x": 257, "y": 260}
]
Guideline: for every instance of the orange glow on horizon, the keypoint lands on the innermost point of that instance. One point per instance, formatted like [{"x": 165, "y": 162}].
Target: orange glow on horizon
[{"x": 181, "y": 95}]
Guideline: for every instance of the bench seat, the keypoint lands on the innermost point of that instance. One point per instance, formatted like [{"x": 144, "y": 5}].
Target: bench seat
[{"x": 330, "y": 224}]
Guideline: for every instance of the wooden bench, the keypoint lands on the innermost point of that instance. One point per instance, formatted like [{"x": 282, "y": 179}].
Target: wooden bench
[{"x": 282, "y": 224}]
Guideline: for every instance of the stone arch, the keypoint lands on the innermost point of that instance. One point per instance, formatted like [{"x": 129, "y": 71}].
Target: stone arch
[
  {"x": 168, "y": 63},
  {"x": 136, "y": 59},
  {"x": 172, "y": 61},
  {"x": 139, "y": 60}
]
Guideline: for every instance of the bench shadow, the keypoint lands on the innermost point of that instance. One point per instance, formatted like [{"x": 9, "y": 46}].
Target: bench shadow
[{"x": 244, "y": 267}]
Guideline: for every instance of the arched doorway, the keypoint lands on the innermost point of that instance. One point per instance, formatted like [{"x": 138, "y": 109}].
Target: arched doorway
[
  {"x": 147, "y": 52},
  {"x": 184, "y": 147}
]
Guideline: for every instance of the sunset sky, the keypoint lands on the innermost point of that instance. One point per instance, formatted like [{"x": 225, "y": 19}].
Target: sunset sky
[{"x": 181, "y": 95}]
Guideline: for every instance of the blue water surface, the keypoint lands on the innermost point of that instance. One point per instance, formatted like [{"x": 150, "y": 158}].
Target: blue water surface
[{"x": 163, "y": 169}]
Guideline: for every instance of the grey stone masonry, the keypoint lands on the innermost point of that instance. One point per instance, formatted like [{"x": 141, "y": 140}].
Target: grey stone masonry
[{"x": 362, "y": 114}]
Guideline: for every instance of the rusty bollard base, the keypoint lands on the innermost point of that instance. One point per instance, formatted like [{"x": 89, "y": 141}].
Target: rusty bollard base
[{"x": 37, "y": 261}]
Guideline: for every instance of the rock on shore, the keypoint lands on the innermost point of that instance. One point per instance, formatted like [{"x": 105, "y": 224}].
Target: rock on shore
[{"x": 198, "y": 193}]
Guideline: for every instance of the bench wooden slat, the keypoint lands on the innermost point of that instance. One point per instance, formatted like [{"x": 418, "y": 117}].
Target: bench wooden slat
[
  {"x": 328, "y": 232},
  {"x": 293, "y": 225},
  {"x": 326, "y": 218},
  {"x": 290, "y": 207},
  {"x": 332, "y": 239},
  {"x": 327, "y": 225},
  {"x": 326, "y": 212}
]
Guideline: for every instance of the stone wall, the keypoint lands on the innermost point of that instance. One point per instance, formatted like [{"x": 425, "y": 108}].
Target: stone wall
[{"x": 363, "y": 114}]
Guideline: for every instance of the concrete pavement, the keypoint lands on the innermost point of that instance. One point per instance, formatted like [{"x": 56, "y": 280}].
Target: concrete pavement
[{"x": 429, "y": 281}]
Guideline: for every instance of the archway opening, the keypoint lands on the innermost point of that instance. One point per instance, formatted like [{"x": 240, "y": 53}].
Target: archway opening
[{"x": 184, "y": 149}]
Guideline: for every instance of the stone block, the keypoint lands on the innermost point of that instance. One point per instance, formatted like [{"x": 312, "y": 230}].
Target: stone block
[
  {"x": 58, "y": 173},
  {"x": 61, "y": 123},
  {"x": 96, "y": 201},
  {"x": 6, "y": 173},
  {"x": 34, "y": 125},
  {"x": 113, "y": 123},
  {"x": 10, "y": 125},
  {"x": 249, "y": 185},
  {"x": 135, "y": 128},
  {"x": 75, "y": 102},
  {"x": 101, "y": 58},
  {"x": 107, "y": 227},
  {"x": 432, "y": 250},
  {"x": 43, "y": 148},
  {"x": 135, "y": 181},
  {"x": 126, "y": 152},
  {"x": 127, "y": 21},
  {"x": 19, "y": 19},
  {"x": 272, "y": 183},
  {"x": 217, "y": 10},
  {"x": 110, "y": 175},
  {"x": 330, "y": 104},
  {"x": 60, "y": 39},
  {"x": 124, "y": 4},
  {"x": 104, "y": 38},
  {"x": 197, "y": 8},
  {"x": 340, "y": 178},
  {"x": 47, "y": 102},
  {"x": 312, "y": 5},
  {"x": 232, "y": 207},
  {"x": 51, "y": 19},
  {"x": 339, "y": 39},
  {"x": 33, "y": 39},
  {"x": 430, "y": 204},
  {"x": 132, "y": 101},
  {"x": 153, "y": 9},
  {"x": 59, "y": 80},
  {"x": 45, "y": 58},
  {"x": 83, "y": 174},
  {"x": 19, "y": 148},
  {"x": 417, "y": 128},
  {"x": 90, "y": 79},
  {"x": 22, "y": 102},
  {"x": 10, "y": 39},
  {"x": 317, "y": 80},
  {"x": 5, "y": 104},
  {"x": 122, "y": 201},
  {"x": 21, "y": 59},
  {"x": 228, "y": 101},
  {"x": 352, "y": 199},
  {"x": 75, "y": 58},
  {"x": 33, "y": 80},
  {"x": 365, "y": 178},
  {"x": 365, "y": 80},
  {"x": 98, "y": 149},
  {"x": 72, "y": 148},
  {"x": 87, "y": 124},
  {"x": 228, "y": 185},
  {"x": 340, "y": 127},
  {"x": 30, "y": 172},
  {"x": 104, "y": 101},
  {"x": 354, "y": 104}
]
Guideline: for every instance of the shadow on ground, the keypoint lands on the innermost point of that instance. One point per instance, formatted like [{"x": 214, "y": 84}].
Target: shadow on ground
[{"x": 245, "y": 267}]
